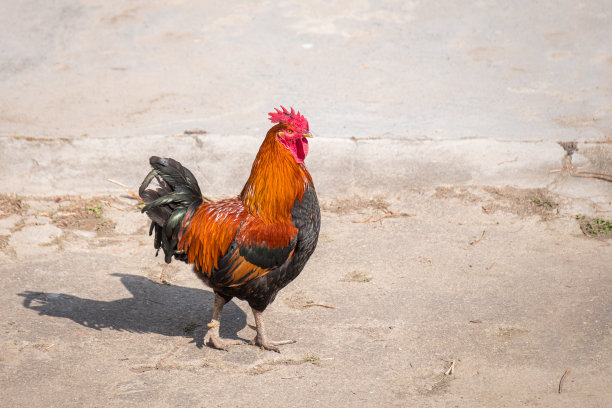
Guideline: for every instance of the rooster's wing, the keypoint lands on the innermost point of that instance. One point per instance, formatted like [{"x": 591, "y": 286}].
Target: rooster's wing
[
  {"x": 232, "y": 247},
  {"x": 256, "y": 250}
]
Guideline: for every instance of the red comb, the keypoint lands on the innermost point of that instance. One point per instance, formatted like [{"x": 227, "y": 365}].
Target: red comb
[{"x": 292, "y": 117}]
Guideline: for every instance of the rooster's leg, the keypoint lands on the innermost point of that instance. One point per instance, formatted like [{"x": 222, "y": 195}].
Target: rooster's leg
[
  {"x": 260, "y": 339},
  {"x": 212, "y": 335}
]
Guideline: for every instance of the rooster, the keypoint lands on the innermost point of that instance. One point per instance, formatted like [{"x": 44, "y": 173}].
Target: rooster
[{"x": 250, "y": 246}]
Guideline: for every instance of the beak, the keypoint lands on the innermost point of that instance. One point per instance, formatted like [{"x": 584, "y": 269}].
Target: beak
[{"x": 307, "y": 134}]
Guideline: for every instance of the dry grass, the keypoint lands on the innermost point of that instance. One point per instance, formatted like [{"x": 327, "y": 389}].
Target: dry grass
[
  {"x": 595, "y": 227},
  {"x": 85, "y": 215},
  {"x": 11, "y": 204},
  {"x": 522, "y": 202}
]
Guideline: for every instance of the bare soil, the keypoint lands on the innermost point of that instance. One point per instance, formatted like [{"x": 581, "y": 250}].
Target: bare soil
[
  {"x": 477, "y": 297},
  {"x": 83, "y": 214},
  {"x": 599, "y": 228},
  {"x": 522, "y": 202},
  {"x": 11, "y": 204}
]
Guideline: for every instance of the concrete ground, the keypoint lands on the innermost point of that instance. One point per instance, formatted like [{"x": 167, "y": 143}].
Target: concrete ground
[{"x": 452, "y": 269}]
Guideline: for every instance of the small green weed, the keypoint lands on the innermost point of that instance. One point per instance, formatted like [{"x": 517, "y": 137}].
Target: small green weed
[
  {"x": 358, "y": 276},
  {"x": 311, "y": 358},
  {"x": 96, "y": 209},
  {"x": 594, "y": 227}
]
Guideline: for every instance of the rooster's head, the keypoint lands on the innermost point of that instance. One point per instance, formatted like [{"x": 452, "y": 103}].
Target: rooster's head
[{"x": 292, "y": 131}]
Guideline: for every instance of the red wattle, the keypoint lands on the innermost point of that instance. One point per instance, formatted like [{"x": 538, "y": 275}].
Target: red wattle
[{"x": 298, "y": 147}]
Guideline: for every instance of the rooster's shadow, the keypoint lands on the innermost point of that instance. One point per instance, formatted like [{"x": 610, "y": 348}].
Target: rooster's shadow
[{"x": 168, "y": 310}]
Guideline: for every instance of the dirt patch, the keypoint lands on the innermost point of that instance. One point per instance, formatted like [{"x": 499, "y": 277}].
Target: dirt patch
[
  {"x": 11, "y": 204},
  {"x": 595, "y": 227},
  {"x": 357, "y": 276},
  {"x": 271, "y": 365},
  {"x": 85, "y": 215},
  {"x": 6, "y": 248},
  {"x": 68, "y": 213},
  {"x": 522, "y": 202},
  {"x": 355, "y": 204},
  {"x": 464, "y": 194},
  {"x": 506, "y": 333},
  {"x": 296, "y": 301},
  {"x": 376, "y": 209}
]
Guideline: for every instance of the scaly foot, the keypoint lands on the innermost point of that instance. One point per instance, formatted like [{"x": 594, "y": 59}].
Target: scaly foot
[
  {"x": 212, "y": 337},
  {"x": 270, "y": 345},
  {"x": 260, "y": 338}
]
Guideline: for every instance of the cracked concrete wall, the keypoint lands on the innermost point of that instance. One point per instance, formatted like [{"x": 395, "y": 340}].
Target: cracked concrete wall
[
  {"x": 408, "y": 70},
  {"x": 401, "y": 95}
]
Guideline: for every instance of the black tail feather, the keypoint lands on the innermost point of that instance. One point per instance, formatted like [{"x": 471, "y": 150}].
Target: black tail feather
[{"x": 178, "y": 195}]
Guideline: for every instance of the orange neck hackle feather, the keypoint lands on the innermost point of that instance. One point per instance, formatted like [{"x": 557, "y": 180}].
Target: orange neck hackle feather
[
  {"x": 276, "y": 181},
  {"x": 262, "y": 211}
]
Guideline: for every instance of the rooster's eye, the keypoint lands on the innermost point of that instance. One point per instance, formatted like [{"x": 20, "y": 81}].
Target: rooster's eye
[{"x": 289, "y": 131}]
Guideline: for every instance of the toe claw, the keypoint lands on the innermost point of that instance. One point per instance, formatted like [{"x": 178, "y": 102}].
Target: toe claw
[
  {"x": 271, "y": 348},
  {"x": 282, "y": 342},
  {"x": 270, "y": 345},
  {"x": 218, "y": 342}
]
